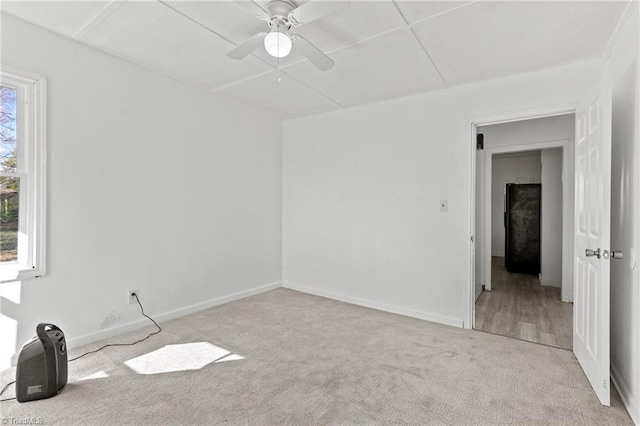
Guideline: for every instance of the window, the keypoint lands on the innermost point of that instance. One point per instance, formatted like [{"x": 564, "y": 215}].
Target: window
[{"x": 22, "y": 177}]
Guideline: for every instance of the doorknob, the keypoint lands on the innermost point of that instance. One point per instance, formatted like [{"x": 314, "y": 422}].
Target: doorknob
[
  {"x": 591, "y": 253},
  {"x": 617, "y": 255}
]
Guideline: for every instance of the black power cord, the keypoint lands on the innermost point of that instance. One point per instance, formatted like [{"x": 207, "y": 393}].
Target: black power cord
[
  {"x": 125, "y": 344},
  {"x": 102, "y": 347},
  {"x": 4, "y": 389}
]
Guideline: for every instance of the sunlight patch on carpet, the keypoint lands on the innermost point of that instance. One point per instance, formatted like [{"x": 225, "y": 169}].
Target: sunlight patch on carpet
[
  {"x": 232, "y": 357},
  {"x": 182, "y": 357},
  {"x": 98, "y": 375}
]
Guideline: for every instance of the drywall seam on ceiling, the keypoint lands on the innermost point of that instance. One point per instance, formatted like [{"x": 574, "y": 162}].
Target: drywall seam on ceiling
[
  {"x": 617, "y": 32},
  {"x": 97, "y": 19}
]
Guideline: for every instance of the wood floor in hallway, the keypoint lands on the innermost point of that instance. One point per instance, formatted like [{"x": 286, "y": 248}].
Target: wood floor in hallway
[{"x": 518, "y": 306}]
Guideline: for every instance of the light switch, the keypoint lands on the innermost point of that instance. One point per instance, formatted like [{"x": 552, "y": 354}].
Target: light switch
[{"x": 444, "y": 205}]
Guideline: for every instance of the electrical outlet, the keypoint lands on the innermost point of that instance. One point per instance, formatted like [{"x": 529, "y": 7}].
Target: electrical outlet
[{"x": 131, "y": 299}]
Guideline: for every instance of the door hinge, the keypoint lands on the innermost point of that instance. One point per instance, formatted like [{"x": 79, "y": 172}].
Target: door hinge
[{"x": 604, "y": 383}]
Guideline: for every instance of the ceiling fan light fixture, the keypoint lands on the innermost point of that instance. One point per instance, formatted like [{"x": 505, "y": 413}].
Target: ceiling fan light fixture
[{"x": 277, "y": 44}]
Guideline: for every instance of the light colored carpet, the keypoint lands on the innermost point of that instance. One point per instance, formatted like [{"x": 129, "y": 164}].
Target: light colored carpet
[{"x": 310, "y": 360}]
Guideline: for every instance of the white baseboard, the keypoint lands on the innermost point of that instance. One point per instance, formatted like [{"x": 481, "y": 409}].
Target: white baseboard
[
  {"x": 143, "y": 322},
  {"x": 627, "y": 399},
  {"x": 479, "y": 291},
  {"x": 376, "y": 305},
  {"x": 550, "y": 282}
]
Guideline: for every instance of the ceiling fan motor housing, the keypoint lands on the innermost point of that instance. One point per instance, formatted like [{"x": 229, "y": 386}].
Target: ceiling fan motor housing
[
  {"x": 280, "y": 8},
  {"x": 280, "y": 24},
  {"x": 279, "y": 14}
]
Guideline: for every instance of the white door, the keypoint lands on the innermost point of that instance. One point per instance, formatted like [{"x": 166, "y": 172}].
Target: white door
[{"x": 592, "y": 235}]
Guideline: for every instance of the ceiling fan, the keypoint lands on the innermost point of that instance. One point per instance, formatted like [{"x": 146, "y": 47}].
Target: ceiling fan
[{"x": 282, "y": 15}]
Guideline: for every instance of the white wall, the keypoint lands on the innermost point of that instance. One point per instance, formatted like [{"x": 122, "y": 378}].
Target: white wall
[
  {"x": 153, "y": 185},
  {"x": 361, "y": 218},
  {"x": 512, "y": 136},
  {"x": 509, "y": 168},
  {"x": 624, "y": 69},
  {"x": 551, "y": 215}
]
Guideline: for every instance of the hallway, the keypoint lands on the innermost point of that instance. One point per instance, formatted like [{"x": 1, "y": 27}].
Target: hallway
[{"x": 518, "y": 306}]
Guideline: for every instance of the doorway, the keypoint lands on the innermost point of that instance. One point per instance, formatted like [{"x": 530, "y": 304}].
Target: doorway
[{"x": 524, "y": 283}]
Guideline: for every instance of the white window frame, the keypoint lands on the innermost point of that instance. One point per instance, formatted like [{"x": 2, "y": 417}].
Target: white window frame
[{"x": 32, "y": 155}]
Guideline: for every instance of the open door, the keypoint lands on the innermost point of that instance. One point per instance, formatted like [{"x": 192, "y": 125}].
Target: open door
[{"x": 592, "y": 237}]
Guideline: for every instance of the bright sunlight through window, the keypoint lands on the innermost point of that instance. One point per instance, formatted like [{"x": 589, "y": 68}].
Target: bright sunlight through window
[{"x": 22, "y": 177}]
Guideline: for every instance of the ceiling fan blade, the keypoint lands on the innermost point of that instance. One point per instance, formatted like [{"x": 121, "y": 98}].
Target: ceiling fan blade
[
  {"x": 311, "y": 52},
  {"x": 253, "y": 8},
  {"x": 247, "y": 47},
  {"x": 317, "y": 9}
]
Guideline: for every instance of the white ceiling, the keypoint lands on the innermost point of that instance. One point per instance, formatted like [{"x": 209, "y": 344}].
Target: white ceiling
[{"x": 382, "y": 49}]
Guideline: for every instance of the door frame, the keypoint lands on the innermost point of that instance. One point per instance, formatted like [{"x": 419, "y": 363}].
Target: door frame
[{"x": 499, "y": 118}]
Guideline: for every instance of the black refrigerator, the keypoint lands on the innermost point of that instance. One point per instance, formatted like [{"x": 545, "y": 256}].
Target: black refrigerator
[{"x": 522, "y": 228}]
